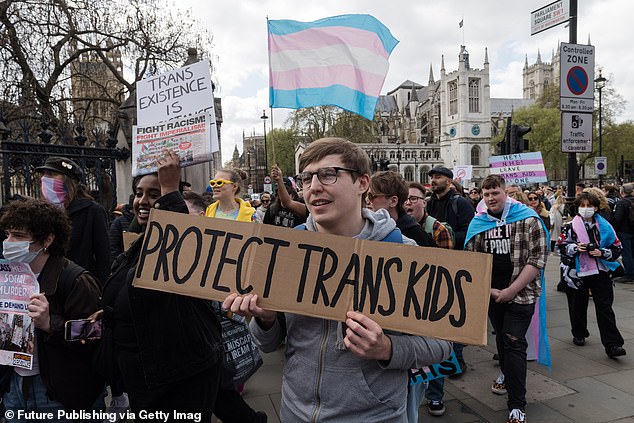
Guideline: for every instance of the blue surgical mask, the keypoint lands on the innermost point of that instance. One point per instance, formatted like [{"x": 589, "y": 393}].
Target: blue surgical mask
[{"x": 19, "y": 251}]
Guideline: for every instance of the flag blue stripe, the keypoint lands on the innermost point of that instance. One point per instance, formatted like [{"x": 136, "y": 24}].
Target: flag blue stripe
[
  {"x": 336, "y": 95},
  {"x": 364, "y": 22}
]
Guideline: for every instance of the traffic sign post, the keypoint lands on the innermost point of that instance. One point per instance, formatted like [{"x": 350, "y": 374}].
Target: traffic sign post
[
  {"x": 601, "y": 165},
  {"x": 576, "y": 132},
  {"x": 576, "y": 78}
]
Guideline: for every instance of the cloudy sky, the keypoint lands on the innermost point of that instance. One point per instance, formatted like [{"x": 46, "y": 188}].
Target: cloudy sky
[{"x": 426, "y": 31}]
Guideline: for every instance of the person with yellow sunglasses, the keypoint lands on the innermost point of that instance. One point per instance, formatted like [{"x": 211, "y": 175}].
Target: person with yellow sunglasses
[{"x": 227, "y": 204}]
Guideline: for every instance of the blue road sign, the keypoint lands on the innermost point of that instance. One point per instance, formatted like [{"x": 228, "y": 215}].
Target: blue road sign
[{"x": 577, "y": 80}]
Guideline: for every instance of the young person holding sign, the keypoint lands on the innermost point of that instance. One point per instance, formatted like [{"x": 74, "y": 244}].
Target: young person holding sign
[{"x": 340, "y": 372}]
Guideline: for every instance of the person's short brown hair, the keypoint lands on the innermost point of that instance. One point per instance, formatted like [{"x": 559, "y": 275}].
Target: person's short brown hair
[
  {"x": 352, "y": 156},
  {"x": 588, "y": 197},
  {"x": 40, "y": 218},
  {"x": 391, "y": 183},
  {"x": 417, "y": 186},
  {"x": 493, "y": 181},
  {"x": 196, "y": 200}
]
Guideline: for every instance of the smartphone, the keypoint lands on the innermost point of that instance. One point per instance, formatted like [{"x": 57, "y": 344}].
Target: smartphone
[{"x": 82, "y": 329}]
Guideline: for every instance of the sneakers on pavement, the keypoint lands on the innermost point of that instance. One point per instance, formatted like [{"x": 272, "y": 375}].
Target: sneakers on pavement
[
  {"x": 436, "y": 408},
  {"x": 499, "y": 387},
  {"x": 517, "y": 416},
  {"x": 579, "y": 341}
]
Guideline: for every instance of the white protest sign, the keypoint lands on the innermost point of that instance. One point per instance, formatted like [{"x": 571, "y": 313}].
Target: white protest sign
[
  {"x": 188, "y": 137},
  {"x": 520, "y": 169},
  {"x": 463, "y": 172},
  {"x": 17, "y": 331},
  {"x": 181, "y": 92}
]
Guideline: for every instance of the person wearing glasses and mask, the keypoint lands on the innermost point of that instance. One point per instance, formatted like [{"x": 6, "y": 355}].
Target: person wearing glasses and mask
[
  {"x": 37, "y": 233},
  {"x": 332, "y": 372},
  {"x": 227, "y": 205}
]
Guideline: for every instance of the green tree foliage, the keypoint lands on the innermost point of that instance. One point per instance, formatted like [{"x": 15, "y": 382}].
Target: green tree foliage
[
  {"x": 544, "y": 118},
  {"x": 41, "y": 42},
  {"x": 330, "y": 121},
  {"x": 282, "y": 143}
]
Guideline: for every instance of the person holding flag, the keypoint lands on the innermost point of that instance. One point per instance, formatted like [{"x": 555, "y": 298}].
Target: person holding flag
[{"x": 518, "y": 240}]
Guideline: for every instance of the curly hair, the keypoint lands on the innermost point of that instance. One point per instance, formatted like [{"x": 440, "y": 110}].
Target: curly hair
[{"x": 41, "y": 219}]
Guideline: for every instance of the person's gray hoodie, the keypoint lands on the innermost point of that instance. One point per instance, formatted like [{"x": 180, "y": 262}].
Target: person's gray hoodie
[{"x": 324, "y": 383}]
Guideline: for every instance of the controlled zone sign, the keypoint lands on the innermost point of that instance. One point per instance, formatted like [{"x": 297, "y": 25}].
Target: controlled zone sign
[
  {"x": 576, "y": 132},
  {"x": 576, "y": 78},
  {"x": 405, "y": 288},
  {"x": 550, "y": 15}
]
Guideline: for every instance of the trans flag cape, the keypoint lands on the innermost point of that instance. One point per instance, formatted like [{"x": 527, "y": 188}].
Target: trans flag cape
[
  {"x": 340, "y": 61},
  {"x": 515, "y": 211}
]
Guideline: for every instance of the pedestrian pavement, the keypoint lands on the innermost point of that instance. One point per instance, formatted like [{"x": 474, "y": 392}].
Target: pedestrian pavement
[{"x": 584, "y": 386}]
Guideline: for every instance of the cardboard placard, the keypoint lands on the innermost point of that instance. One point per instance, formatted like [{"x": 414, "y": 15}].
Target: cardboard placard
[{"x": 417, "y": 290}]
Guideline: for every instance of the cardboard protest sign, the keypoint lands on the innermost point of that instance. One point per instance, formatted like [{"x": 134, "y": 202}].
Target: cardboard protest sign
[
  {"x": 129, "y": 238},
  {"x": 417, "y": 290},
  {"x": 188, "y": 137},
  {"x": 435, "y": 371},
  {"x": 17, "y": 331}
]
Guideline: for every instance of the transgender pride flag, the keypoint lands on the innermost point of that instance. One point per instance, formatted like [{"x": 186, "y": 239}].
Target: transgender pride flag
[{"x": 341, "y": 61}]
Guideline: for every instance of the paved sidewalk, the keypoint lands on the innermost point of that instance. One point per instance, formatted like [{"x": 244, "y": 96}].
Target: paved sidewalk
[{"x": 585, "y": 386}]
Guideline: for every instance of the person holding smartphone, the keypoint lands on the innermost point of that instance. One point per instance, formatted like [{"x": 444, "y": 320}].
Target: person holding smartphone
[
  {"x": 589, "y": 248},
  {"x": 38, "y": 233}
]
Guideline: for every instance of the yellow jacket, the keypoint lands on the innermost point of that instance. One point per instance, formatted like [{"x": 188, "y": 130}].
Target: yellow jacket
[{"x": 245, "y": 214}]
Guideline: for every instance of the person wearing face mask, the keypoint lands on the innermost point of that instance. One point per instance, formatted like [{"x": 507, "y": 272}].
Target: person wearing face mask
[
  {"x": 589, "y": 248},
  {"x": 37, "y": 233},
  {"x": 89, "y": 242}
]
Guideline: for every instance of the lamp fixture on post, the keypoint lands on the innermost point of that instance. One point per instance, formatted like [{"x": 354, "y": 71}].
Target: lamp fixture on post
[
  {"x": 264, "y": 117},
  {"x": 600, "y": 84}
]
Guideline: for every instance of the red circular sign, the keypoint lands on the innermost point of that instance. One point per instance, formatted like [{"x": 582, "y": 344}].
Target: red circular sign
[{"x": 577, "y": 80}]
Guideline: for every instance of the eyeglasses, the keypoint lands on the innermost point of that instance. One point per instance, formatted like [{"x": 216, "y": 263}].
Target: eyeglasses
[
  {"x": 371, "y": 196},
  {"x": 533, "y": 198},
  {"x": 266, "y": 201},
  {"x": 219, "y": 182},
  {"x": 413, "y": 199},
  {"x": 325, "y": 175}
]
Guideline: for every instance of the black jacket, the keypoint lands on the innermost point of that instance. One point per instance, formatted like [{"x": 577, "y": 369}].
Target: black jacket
[
  {"x": 66, "y": 367},
  {"x": 454, "y": 209},
  {"x": 411, "y": 229},
  {"x": 115, "y": 234},
  {"x": 622, "y": 215},
  {"x": 174, "y": 336},
  {"x": 89, "y": 246}
]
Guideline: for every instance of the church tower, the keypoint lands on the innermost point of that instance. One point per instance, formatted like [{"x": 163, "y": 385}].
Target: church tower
[{"x": 465, "y": 109}]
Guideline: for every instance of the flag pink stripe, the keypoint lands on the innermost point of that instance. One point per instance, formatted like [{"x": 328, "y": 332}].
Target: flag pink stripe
[
  {"x": 504, "y": 163},
  {"x": 314, "y": 38},
  {"x": 317, "y": 77}
]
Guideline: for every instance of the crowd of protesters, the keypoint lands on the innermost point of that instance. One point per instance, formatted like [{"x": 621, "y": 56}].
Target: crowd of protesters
[{"x": 164, "y": 352}]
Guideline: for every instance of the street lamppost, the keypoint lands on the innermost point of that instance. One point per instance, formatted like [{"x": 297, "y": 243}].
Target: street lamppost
[
  {"x": 600, "y": 84},
  {"x": 264, "y": 117},
  {"x": 398, "y": 155}
]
